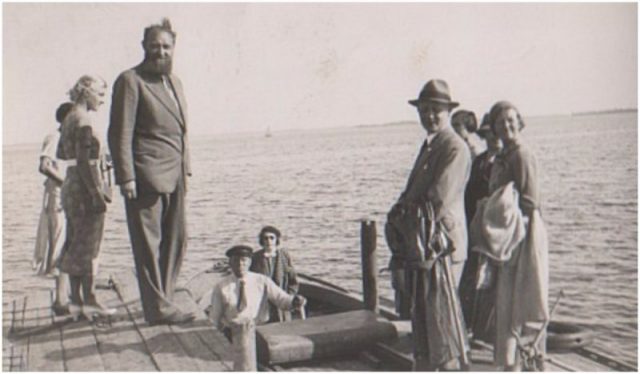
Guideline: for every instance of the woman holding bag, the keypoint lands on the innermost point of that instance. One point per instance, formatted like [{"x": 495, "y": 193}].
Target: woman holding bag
[{"x": 522, "y": 278}]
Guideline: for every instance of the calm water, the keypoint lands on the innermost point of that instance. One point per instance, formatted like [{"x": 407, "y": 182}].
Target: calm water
[{"x": 317, "y": 185}]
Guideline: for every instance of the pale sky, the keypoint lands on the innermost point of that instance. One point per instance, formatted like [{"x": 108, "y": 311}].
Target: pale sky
[{"x": 246, "y": 67}]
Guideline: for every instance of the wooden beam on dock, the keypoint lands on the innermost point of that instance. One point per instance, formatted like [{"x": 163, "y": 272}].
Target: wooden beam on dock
[
  {"x": 43, "y": 350},
  {"x": 177, "y": 348}
]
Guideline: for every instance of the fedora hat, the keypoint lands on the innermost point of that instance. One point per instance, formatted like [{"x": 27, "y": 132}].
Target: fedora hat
[{"x": 436, "y": 91}]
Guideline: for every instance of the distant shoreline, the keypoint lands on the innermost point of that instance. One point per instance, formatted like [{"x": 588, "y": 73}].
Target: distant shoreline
[
  {"x": 30, "y": 145},
  {"x": 608, "y": 111},
  {"x": 586, "y": 113}
]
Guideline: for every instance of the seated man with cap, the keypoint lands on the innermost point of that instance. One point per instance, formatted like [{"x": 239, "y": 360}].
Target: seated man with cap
[{"x": 244, "y": 294}]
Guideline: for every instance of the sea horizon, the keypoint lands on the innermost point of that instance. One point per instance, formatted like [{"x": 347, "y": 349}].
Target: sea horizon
[{"x": 273, "y": 131}]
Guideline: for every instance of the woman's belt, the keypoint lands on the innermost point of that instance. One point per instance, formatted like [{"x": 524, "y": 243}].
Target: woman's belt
[{"x": 74, "y": 162}]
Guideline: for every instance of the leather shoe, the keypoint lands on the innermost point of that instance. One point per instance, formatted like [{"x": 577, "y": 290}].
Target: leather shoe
[
  {"x": 60, "y": 309},
  {"x": 176, "y": 318}
]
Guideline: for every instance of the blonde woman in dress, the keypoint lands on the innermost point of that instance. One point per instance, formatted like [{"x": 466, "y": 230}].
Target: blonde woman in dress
[{"x": 83, "y": 199}]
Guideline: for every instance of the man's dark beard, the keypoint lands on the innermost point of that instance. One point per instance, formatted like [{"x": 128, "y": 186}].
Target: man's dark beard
[{"x": 159, "y": 65}]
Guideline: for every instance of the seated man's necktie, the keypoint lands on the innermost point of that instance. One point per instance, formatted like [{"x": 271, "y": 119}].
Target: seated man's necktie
[{"x": 242, "y": 297}]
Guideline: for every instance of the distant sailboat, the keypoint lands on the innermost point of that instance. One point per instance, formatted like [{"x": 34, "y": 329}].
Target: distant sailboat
[{"x": 268, "y": 133}]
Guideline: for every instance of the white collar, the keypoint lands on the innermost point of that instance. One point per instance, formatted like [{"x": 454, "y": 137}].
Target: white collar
[
  {"x": 270, "y": 254},
  {"x": 238, "y": 280}
]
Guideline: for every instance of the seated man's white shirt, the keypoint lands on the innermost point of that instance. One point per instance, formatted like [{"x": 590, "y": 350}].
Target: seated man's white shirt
[{"x": 259, "y": 290}]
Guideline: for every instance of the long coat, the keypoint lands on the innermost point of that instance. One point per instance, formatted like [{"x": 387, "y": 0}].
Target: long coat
[
  {"x": 522, "y": 284},
  {"x": 147, "y": 132},
  {"x": 440, "y": 175},
  {"x": 283, "y": 274}
]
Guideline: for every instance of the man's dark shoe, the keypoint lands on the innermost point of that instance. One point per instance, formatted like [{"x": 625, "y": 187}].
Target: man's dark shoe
[
  {"x": 176, "y": 318},
  {"x": 60, "y": 309}
]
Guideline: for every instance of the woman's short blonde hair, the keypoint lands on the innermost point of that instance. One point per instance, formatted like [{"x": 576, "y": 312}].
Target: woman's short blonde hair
[{"x": 87, "y": 84}]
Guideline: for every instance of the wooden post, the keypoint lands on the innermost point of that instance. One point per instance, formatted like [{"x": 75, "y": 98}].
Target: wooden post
[
  {"x": 244, "y": 345},
  {"x": 369, "y": 265}
]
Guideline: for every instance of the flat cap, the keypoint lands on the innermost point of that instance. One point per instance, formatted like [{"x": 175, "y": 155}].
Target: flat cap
[{"x": 239, "y": 250}]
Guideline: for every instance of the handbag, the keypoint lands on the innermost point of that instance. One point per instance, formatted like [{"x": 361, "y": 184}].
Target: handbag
[
  {"x": 106, "y": 165},
  {"x": 415, "y": 239}
]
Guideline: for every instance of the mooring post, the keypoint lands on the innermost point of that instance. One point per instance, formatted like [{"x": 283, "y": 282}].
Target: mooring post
[
  {"x": 369, "y": 265},
  {"x": 244, "y": 345}
]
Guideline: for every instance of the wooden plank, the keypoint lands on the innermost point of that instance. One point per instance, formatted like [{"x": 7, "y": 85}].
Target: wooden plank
[
  {"x": 209, "y": 348},
  {"x": 335, "y": 364},
  {"x": 606, "y": 360},
  {"x": 80, "y": 347},
  {"x": 85, "y": 350},
  {"x": 577, "y": 362},
  {"x": 44, "y": 351},
  {"x": 216, "y": 342},
  {"x": 199, "y": 343},
  {"x": 554, "y": 363},
  {"x": 202, "y": 348},
  {"x": 13, "y": 357},
  {"x": 13, "y": 353},
  {"x": 162, "y": 345},
  {"x": 120, "y": 345},
  {"x": 166, "y": 349}
]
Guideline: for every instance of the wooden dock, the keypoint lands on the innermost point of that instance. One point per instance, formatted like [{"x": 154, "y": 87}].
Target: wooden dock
[{"x": 36, "y": 340}]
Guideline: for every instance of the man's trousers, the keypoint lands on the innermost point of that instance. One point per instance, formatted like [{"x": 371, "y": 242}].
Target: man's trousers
[{"x": 157, "y": 228}]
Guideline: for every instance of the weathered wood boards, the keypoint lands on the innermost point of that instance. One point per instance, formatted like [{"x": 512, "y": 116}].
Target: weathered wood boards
[
  {"x": 321, "y": 337},
  {"x": 35, "y": 340}
]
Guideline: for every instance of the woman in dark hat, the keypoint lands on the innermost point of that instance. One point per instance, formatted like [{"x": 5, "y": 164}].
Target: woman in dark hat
[
  {"x": 275, "y": 263},
  {"x": 464, "y": 123},
  {"x": 478, "y": 304},
  {"x": 51, "y": 224},
  {"x": 478, "y": 186},
  {"x": 438, "y": 178},
  {"x": 522, "y": 278}
]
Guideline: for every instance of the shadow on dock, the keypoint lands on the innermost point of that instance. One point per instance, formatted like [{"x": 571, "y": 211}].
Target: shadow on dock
[{"x": 37, "y": 340}]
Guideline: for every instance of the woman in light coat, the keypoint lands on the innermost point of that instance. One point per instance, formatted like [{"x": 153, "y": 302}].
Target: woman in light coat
[{"x": 522, "y": 280}]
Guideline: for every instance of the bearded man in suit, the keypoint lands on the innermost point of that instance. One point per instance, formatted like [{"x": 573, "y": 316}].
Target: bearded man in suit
[{"x": 148, "y": 142}]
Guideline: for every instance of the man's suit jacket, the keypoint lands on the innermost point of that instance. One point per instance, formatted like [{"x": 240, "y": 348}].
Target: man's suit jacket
[
  {"x": 440, "y": 175},
  {"x": 147, "y": 131}
]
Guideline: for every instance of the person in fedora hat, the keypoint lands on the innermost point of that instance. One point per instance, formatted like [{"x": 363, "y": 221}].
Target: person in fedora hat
[
  {"x": 439, "y": 176},
  {"x": 435, "y": 91},
  {"x": 275, "y": 262},
  {"x": 246, "y": 295}
]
